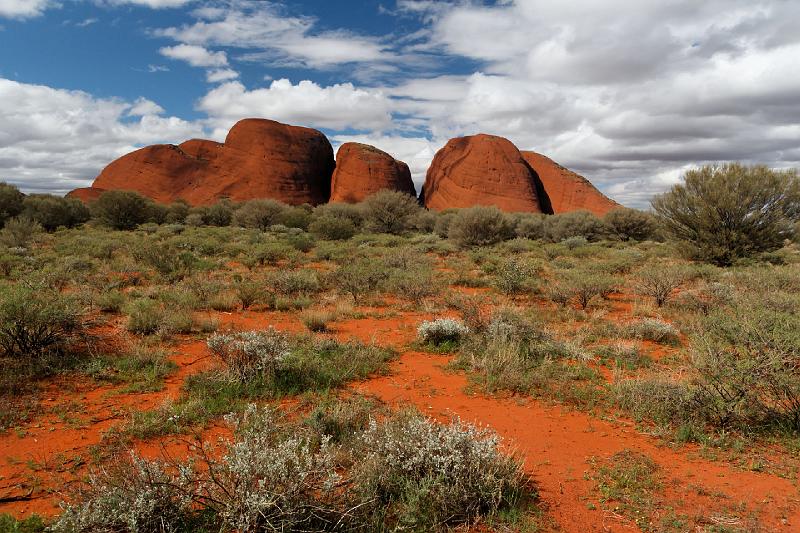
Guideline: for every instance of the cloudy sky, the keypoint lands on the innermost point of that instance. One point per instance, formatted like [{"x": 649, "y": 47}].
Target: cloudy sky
[{"x": 629, "y": 93}]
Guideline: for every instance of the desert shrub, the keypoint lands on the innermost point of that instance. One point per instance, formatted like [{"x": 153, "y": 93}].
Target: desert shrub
[
  {"x": 332, "y": 228},
  {"x": 341, "y": 419},
  {"x": 250, "y": 292},
  {"x": 219, "y": 214},
  {"x": 584, "y": 285},
  {"x": 302, "y": 242},
  {"x": 662, "y": 401},
  {"x": 145, "y": 317},
  {"x": 726, "y": 212},
  {"x": 169, "y": 261},
  {"x": 414, "y": 283},
  {"x": 342, "y": 211},
  {"x": 573, "y": 243},
  {"x": 32, "y": 524},
  {"x": 479, "y": 226},
  {"x": 111, "y": 301},
  {"x": 424, "y": 221},
  {"x": 247, "y": 354},
  {"x": 442, "y": 331},
  {"x": 746, "y": 359},
  {"x": 271, "y": 253},
  {"x": 194, "y": 220},
  {"x": 660, "y": 282},
  {"x": 360, "y": 277},
  {"x": 36, "y": 325},
  {"x": 294, "y": 282},
  {"x": 530, "y": 226},
  {"x": 631, "y": 224},
  {"x": 654, "y": 329},
  {"x": 514, "y": 276},
  {"x": 18, "y": 232},
  {"x": 424, "y": 475},
  {"x": 259, "y": 214},
  {"x": 442, "y": 225},
  {"x": 121, "y": 210},
  {"x": 177, "y": 212},
  {"x": 11, "y": 200},
  {"x": 294, "y": 217},
  {"x": 52, "y": 212},
  {"x": 316, "y": 321},
  {"x": 390, "y": 211},
  {"x": 575, "y": 224}
]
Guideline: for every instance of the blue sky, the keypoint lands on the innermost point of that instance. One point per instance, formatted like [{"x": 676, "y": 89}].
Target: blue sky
[{"x": 628, "y": 93}]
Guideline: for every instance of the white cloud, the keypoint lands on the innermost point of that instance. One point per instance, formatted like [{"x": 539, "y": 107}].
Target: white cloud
[
  {"x": 266, "y": 33},
  {"x": 22, "y": 9},
  {"x": 154, "y": 4},
  {"x": 337, "y": 107},
  {"x": 216, "y": 76},
  {"x": 55, "y": 140},
  {"x": 196, "y": 56}
]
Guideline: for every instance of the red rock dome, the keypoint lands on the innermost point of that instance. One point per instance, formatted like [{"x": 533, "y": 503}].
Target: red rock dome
[
  {"x": 565, "y": 190},
  {"x": 481, "y": 170},
  {"x": 362, "y": 170},
  {"x": 259, "y": 159}
]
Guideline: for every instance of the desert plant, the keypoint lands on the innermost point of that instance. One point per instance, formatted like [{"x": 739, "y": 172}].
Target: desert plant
[
  {"x": 660, "y": 282},
  {"x": 513, "y": 276},
  {"x": 294, "y": 282},
  {"x": 479, "y": 226},
  {"x": 145, "y": 317},
  {"x": 121, "y": 210},
  {"x": 18, "y": 232},
  {"x": 249, "y": 292},
  {"x": 654, "y": 329},
  {"x": 575, "y": 224},
  {"x": 331, "y": 228},
  {"x": 259, "y": 214},
  {"x": 53, "y": 212},
  {"x": 111, "y": 301},
  {"x": 390, "y": 211},
  {"x": 359, "y": 277},
  {"x": 250, "y": 353},
  {"x": 316, "y": 321},
  {"x": 169, "y": 261},
  {"x": 726, "y": 212},
  {"x": 585, "y": 285},
  {"x": 530, "y": 226},
  {"x": 631, "y": 224},
  {"x": 442, "y": 331},
  {"x": 10, "y": 202}
]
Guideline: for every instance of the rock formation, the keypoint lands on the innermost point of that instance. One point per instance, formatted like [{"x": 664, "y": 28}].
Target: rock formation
[
  {"x": 362, "y": 170},
  {"x": 565, "y": 190},
  {"x": 481, "y": 170},
  {"x": 259, "y": 159}
]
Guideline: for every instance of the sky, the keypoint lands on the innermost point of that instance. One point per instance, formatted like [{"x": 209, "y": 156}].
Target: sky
[{"x": 629, "y": 93}]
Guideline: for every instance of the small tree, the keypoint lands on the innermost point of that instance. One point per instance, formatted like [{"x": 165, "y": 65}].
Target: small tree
[
  {"x": 731, "y": 211},
  {"x": 480, "y": 226},
  {"x": 10, "y": 202},
  {"x": 122, "y": 210},
  {"x": 631, "y": 224},
  {"x": 52, "y": 212},
  {"x": 259, "y": 214},
  {"x": 390, "y": 211}
]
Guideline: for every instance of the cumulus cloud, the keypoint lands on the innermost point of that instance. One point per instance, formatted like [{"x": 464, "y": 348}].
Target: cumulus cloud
[
  {"x": 225, "y": 74},
  {"x": 265, "y": 32},
  {"x": 154, "y": 4},
  {"x": 336, "y": 107},
  {"x": 196, "y": 56},
  {"x": 22, "y": 9},
  {"x": 55, "y": 140}
]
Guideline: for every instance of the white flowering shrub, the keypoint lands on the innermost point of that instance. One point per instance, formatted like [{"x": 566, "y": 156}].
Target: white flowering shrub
[
  {"x": 656, "y": 330},
  {"x": 423, "y": 474},
  {"x": 133, "y": 495},
  {"x": 441, "y": 331},
  {"x": 249, "y": 353}
]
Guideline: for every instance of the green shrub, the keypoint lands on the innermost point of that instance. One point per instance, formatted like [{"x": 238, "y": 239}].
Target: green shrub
[
  {"x": 480, "y": 226},
  {"x": 219, "y": 214},
  {"x": 585, "y": 285},
  {"x": 169, "y": 261},
  {"x": 121, "y": 210},
  {"x": 442, "y": 331},
  {"x": 660, "y": 282},
  {"x": 11, "y": 200},
  {"x": 18, "y": 232},
  {"x": 390, "y": 211},
  {"x": 575, "y": 224},
  {"x": 295, "y": 217},
  {"x": 530, "y": 226},
  {"x": 52, "y": 212},
  {"x": 145, "y": 317},
  {"x": 443, "y": 220},
  {"x": 259, "y": 214},
  {"x": 343, "y": 211},
  {"x": 631, "y": 224},
  {"x": 359, "y": 277},
  {"x": 654, "y": 329},
  {"x": 36, "y": 324},
  {"x": 111, "y": 301},
  {"x": 514, "y": 276},
  {"x": 177, "y": 212},
  {"x": 726, "y": 212},
  {"x": 295, "y": 282},
  {"x": 332, "y": 228},
  {"x": 250, "y": 292},
  {"x": 272, "y": 253}
]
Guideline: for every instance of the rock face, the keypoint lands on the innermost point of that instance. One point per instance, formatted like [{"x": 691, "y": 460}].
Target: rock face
[
  {"x": 565, "y": 190},
  {"x": 362, "y": 170},
  {"x": 86, "y": 194},
  {"x": 259, "y": 159},
  {"x": 481, "y": 170}
]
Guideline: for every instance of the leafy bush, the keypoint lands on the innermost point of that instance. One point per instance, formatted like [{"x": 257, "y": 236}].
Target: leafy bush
[
  {"x": 585, "y": 285},
  {"x": 442, "y": 331},
  {"x": 36, "y": 325},
  {"x": 168, "y": 260},
  {"x": 631, "y": 224},
  {"x": 18, "y": 232},
  {"x": 575, "y": 224},
  {"x": 11, "y": 200},
  {"x": 145, "y": 317},
  {"x": 480, "y": 226},
  {"x": 514, "y": 276},
  {"x": 731, "y": 211},
  {"x": 53, "y": 212},
  {"x": 111, "y": 301},
  {"x": 294, "y": 217},
  {"x": 424, "y": 475},
  {"x": 332, "y": 228},
  {"x": 249, "y": 293},
  {"x": 247, "y": 354},
  {"x": 121, "y": 210},
  {"x": 342, "y": 211},
  {"x": 259, "y": 214},
  {"x": 295, "y": 282},
  {"x": 654, "y": 329},
  {"x": 442, "y": 225},
  {"x": 359, "y": 277},
  {"x": 530, "y": 226},
  {"x": 390, "y": 211}
]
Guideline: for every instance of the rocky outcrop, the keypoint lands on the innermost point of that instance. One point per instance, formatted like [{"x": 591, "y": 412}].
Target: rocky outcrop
[
  {"x": 565, "y": 190},
  {"x": 481, "y": 170},
  {"x": 362, "y": 170},
  {"x": 259, "y": 159},
  {"x": 86, "y": 194}
]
